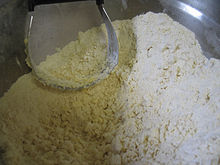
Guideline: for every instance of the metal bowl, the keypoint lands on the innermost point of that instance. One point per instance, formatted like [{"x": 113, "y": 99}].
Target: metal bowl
[{"x": 200, "y": 16}]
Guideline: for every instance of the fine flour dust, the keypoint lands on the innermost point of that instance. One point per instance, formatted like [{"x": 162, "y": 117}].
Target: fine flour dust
[{"x": 161, "y": 104}]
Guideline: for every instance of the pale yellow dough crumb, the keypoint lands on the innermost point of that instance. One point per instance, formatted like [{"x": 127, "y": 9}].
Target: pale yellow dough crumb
[
  {"x": 79, "y": 63},
  {"x": 40, "y": 125}
]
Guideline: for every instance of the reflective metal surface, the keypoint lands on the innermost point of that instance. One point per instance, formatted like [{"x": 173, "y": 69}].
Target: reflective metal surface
[
  {"x": 200, "y": 16},
  {"x": 12, "y": 29},
  {"x": 207, "y": 30},
  {"x": 53, "y": 26},
  {"x": 112, "y": 52}
]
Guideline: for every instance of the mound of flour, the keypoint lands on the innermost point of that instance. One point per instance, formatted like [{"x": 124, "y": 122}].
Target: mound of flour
[
  {"x": 161, "y": 105},
  {"x": 173, "y": 111}
]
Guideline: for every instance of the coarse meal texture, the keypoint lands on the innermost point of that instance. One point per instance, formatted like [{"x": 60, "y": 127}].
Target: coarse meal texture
[
  {"x": 161, "y": 105},
  {"x": 77, "y": 64}
]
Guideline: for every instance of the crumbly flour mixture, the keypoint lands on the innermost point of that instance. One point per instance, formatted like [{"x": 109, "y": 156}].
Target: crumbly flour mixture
[
  {"x": 79, "y": 63},
  {"x": 161, "y": 105}
]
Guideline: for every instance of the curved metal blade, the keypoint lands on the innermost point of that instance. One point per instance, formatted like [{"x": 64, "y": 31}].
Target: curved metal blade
[{"x": 112, "y": 56}]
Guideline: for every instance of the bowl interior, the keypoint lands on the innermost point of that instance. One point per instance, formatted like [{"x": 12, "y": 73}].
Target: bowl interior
[{"x": 201, "y": 16}]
